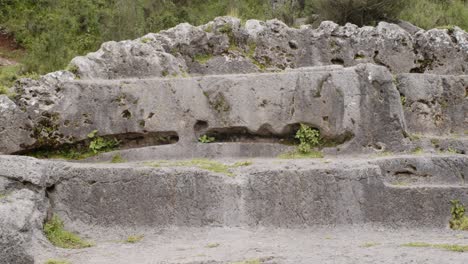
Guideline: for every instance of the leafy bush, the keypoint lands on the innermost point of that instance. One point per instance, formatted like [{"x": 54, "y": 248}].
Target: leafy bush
[{"x": 308, "y": 138}]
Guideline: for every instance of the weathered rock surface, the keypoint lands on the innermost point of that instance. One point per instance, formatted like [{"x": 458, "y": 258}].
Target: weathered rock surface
[
  {"x": 227, "y": 46},
  {"x": 435, "y": 104},
  {"x": 359, "y": 104},
  {"x": 23, "y": 208}
]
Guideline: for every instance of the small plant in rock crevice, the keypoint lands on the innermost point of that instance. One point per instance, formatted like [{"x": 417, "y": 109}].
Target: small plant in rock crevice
[
  {"x": 308, "y": 138},
  {"x": 459, "y": 220},
  {"x": 99, "y": 144},
  {"x": 59, "y": 237},
  {"x": 206, "y": 139}
]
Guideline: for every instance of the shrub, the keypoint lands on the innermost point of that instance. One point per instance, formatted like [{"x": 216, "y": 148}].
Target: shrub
[{"x": 429, "y": 14}]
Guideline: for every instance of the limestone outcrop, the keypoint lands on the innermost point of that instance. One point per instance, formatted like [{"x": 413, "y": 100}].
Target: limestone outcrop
[
  {"x": 380, "y": 97},
  {"x": 140, "y": 87},
  {"x": 227, "y": 46}
]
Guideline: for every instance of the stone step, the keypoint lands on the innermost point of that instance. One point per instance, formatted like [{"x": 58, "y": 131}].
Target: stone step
[{"x": 393, "y": 191}]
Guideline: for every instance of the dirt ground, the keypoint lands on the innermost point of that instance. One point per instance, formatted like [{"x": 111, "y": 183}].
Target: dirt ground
[{"x": 346, "y": 244}]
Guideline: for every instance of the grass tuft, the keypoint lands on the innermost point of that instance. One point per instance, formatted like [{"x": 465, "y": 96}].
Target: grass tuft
[
  {"x": 134, "y": 239},
  {"x": 59, "y": 237},
  {"x": 205, "y": 164},
  {"x": 450, "y": 247},
  {"x": 202, "y": 58},
  {"x": 213, "y": 245}
]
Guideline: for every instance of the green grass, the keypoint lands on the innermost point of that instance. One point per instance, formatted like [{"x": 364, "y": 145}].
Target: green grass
[
  {"x": 417, "y": 244},
  {"x": 66, "y": 153},
  {"x": 213, "y": 245},
  {"x": 205, "y": 164},
  {"x": 202, "y": 58},
  {"x": 369, "y": 244},
  {"x": 59, "y": 237},
  {"x": 298, "y": 155},
  {"x": 134, "y": 239},
  {"x": 56, "y": 261},
  {"x": 450, "y": 247}
]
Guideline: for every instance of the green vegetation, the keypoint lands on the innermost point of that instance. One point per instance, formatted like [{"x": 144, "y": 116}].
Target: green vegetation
[
  {"x": 56, "y": 261},
  {"x": 202, "y": 58},
  {"x": 417, "y": 244},
  {"x": 400, "y": 183},
  {"x": 77, "y": 151},
  {"x": 213, "y": 245},
  {"x": 417, "y": 151},
  {"x": 117, "y": 159},
  {"x": 369, "y": 244},
  {"x": 459, "y": 220},
  {"x": 450, "y": 247},
  {"x": 134, "y": 239},
  {"x": 403, "y": 100},
  {"x": 99, "y": 144},
  {"x": 59, "y": 237},
  {"x": 206, "y": 139},
  {"x": 437, "y": 13},
  {"x": 8, "y": 76},
  {"x": 53, "y": 32},
  {"x": 209, "y": 165},
  {"x": 452, "y": 151},
  {"x": 308, "y": 138},
  {"x": 298, "y": 155}
]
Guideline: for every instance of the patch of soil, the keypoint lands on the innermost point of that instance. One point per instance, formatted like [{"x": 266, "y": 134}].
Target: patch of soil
[
  {"x": 8, "y": 42},
  {"x": 10, "y": 51}
]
